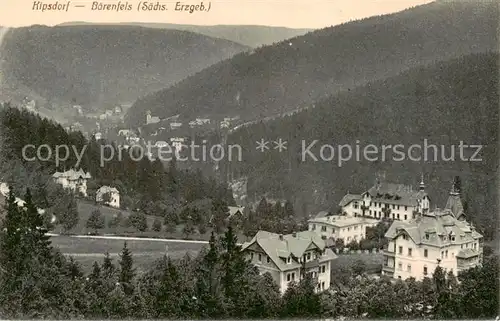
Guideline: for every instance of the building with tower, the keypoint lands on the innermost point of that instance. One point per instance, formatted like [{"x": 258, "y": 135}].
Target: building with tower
[
  {"x": 441, "y": 237},
  {"x": 387, "y": 200}
]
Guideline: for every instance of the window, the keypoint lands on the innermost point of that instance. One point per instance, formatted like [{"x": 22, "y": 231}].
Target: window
[
  {"x": 323, "y": 229},
  {"x": 268, "y": 259},
  {"x": 426, "y": 253},
  {"x": 409, "y": 252},
  {"x": 425, "y": 270},
  {"x": 289, "y": 260},
  {"x": 426, "y": 236},
  {"x": 323, "y": 269},
  {"x": 400, "y": 250},
  {"x": 446, "y": 254},
  {"x": 393, "y": 206},
  {"x": 408, "y": 268},
  {"x": 406, "y": 217},
  {"x": 398, "y": 207},
  {"x": 308, "y": 256},
  {"x": 348, "y": 229},
  {"x": 406, "y": 208},
  {"x": 251, "y": 256},
  {"x": 442, "y": 254},
  {"x": 293, "y": 276},
  {"x": 260, "y": 257},
  {"x": 400, "y": 266},
  {"x": 322, "y": 285},
  {"x": 453, "y": 238},
  {"x": 398, "y": 216},
  {"x": 288, "y": 277}
]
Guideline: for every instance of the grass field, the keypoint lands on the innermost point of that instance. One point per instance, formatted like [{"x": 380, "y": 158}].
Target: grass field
[{"x": 86, "y": 250}]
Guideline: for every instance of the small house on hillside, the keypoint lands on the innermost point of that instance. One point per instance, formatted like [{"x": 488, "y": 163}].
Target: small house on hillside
[
  {"x": 73, "y": 180},
  {"x": 109, "y": 196}
]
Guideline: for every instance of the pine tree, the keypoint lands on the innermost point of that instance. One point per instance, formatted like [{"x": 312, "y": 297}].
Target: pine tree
[
  {"x": 38, "y": 242},
  {"x": 69, "y": 216},
  {"x": 95, "y": 220},
  {"x": 127, "y": 271}
]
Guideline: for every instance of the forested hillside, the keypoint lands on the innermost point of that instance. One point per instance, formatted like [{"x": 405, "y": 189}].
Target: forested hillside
[
  {"x": 97, "y": 65},
  {"x": 148, "y": 186},
  {"x": 445, "y": 103},
  {"x": 297, "y": 72},
  {"x": 252, "y": 36}
]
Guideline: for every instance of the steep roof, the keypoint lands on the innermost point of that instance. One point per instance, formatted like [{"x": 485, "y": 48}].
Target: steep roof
[
  {"x": 434, "y": 229},
  {"x": 280, "y": 247},
  {"x": 348, "y": 198},
  {"x": 455, "y": 205},
  {"x": 235, "y": 209},
  {"x": 72, "y": 174},
  {"x": 398, "y": 194},
  {"x": 107, "y": 189}
]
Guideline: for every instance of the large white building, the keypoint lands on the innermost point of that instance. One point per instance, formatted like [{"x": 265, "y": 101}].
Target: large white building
[
  {"x": 73, "y": 180},
  {"x": 442, "y": 237},
  {"x": 387, "y": 200},
  {"x": 336, "y": 227},
  {"x": 288, "y": 257},
  {"x": 113, "y": 193}
]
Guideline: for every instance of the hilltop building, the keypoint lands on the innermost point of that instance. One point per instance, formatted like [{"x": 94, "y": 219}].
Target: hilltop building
[
  {"x": 387, "y": 200},
  {"x": 113, "y": 198},
  {"x": 287, "y": 258},
  {"x": 73, "y": 180},
  {"x": 151, "y": 119},
  {"x": 439, "y": 238}
]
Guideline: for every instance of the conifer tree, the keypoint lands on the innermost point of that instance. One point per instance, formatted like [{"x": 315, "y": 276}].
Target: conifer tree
[{"x": 127, "y": 271}]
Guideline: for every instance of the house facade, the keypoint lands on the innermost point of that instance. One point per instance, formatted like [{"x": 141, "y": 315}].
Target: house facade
[
  {"x": 114, "y": 196},
  {"x": 287, "y": 258},
  {"x": 73, "y": 180},
  {"x": 346, "y": 228},
  {"x": 438, "y": 238},
  {"x": 387, "y": 200}
]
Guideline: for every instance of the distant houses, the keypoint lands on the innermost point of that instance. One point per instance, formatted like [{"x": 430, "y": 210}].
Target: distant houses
[
  {"x": 151, "y": 119},
  {"x": 73, "y": 180},
  {"x": 4, "y": 191},
  {"x": 346, "y": 228},
  {"x": 109, "y": 196}
]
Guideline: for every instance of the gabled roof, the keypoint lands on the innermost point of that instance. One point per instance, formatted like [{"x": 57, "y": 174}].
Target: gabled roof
[
  {"x": 279, "y": 248},
  {"x": 235, "y": 209},
  {"x": 107, "y": 189},
  {"x": 72, "y": 174},
  {"x": 348, "y": 198},
  {"x": 434, "y": 224},
  {"x": 467, "y": 253},
  {"x": 398, "y": 194}
]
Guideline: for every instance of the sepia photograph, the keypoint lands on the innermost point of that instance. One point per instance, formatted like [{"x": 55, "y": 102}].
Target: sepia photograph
[{"x": 249, "y": 159}]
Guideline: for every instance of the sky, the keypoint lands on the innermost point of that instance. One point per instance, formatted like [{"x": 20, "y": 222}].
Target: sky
[{"x": 286, "y": 13}]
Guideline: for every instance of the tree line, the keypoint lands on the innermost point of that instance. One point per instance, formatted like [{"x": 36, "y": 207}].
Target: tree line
[{"x": 37, "y": 281}]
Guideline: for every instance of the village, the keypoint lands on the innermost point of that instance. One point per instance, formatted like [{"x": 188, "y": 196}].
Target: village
[{"x": 419, "y": 236}]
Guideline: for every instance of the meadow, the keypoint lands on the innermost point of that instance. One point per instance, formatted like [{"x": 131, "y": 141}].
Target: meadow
[{"x": 87, "y": 250}]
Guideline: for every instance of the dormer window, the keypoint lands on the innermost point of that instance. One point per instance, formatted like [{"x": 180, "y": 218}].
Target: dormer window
[
  {"x": 289, "y": 260},
  {"x": 427, "y": 236}
]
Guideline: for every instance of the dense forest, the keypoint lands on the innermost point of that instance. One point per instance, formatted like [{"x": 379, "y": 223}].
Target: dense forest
[
  {"x": 297, "y": 72},
  {"x": 445, "y": 103},
  {"x": 37, "y": 281},
  {"x": 62, "y": 64},
  {"x": 148, "y": 186}
]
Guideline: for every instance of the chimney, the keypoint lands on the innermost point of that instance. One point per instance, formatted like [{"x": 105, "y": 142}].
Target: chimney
[{"x": 281, "y": 237}]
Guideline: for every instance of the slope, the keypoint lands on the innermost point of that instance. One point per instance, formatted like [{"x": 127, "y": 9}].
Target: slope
[
  {"x": 96, "y": 65},
  {"x": 297, "y": 72},
  {"x": 445, "y": 103},
  {"x": 252, "y": 36}
]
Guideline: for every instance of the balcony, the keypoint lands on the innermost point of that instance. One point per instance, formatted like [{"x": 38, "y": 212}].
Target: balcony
[
  {"x": 388, "y": 270},
  {"x": 388, "y": 253}
]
